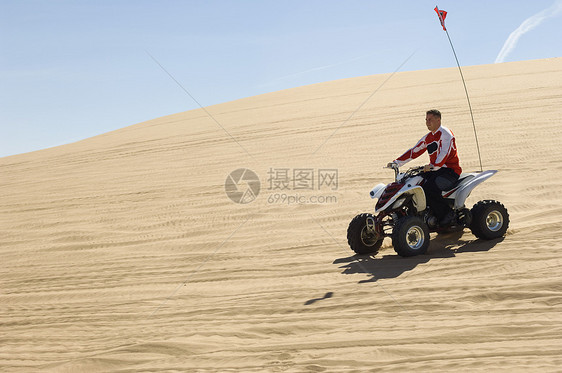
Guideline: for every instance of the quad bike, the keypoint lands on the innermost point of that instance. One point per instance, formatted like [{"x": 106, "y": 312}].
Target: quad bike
[{"x": 401, "y": 213}]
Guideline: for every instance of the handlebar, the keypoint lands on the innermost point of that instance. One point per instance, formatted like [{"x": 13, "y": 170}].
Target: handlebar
[
  {"x": 393, "y": 166},
  {"x": 410, "y": 172}
]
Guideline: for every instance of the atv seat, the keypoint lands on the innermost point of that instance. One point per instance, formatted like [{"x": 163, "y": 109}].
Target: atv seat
[{"x": 460, "y": 180}]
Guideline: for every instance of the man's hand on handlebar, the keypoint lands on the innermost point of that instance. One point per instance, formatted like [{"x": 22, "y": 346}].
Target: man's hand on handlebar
[{"x": 392, "y": 165}]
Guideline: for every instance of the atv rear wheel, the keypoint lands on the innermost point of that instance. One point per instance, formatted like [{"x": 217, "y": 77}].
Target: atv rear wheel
[
  {"x": 410, "y": 236},
  {"x": 490, "y": 220},
  {"x": 363, "y": 239}
]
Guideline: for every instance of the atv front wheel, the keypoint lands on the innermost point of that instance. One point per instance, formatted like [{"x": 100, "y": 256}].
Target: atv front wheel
[
  {"x": 489, "y": 220},
  {"x": 363, "y": 239},
  {"x": 410, "y": 236}
]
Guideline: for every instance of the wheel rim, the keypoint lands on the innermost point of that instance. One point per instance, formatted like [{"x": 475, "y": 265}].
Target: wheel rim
[
  {"x": 367, "y": 238},
  {"x": 415, "y": 237},
  {"x": 494, "y": 221}
]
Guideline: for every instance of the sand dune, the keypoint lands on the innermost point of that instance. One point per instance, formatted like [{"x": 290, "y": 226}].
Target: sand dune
[{"x": 123, "y": 253}]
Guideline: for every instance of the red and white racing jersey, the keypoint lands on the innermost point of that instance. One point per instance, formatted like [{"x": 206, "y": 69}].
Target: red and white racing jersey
[{"x": 441, "y": 148}]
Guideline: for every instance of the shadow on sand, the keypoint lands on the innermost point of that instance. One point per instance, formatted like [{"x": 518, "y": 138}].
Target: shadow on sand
[
  {"x": 328, "y": 295},
  {"x": 445, "y": 245}
]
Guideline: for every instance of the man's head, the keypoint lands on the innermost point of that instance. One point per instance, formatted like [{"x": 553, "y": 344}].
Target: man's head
[{"x": 433, "y": 120}]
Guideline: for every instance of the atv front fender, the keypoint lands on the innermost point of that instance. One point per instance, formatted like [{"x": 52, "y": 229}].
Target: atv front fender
[{"x": 418, "y": 197}]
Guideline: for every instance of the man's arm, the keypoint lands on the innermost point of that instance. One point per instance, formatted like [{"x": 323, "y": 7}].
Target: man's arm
[{"x": 412, "y": 153}]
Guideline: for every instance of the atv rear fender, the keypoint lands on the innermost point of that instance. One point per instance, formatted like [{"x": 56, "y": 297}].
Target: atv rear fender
[{"x": 462, "y": 194}]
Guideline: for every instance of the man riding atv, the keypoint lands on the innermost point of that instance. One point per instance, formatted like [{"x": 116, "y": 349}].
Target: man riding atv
[
  {"x": 402, "y": 213},
  {"x": 443, "y": 169}
]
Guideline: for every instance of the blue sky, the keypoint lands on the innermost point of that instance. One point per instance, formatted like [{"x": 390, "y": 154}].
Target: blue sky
[{"x": 74, "y": 69}]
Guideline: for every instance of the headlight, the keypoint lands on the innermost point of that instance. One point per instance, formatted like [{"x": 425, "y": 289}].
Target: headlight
[{"x": 398, "y": 203}]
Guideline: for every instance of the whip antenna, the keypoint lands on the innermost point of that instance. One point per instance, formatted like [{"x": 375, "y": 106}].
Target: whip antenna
[{"x": 442, "y": 14}]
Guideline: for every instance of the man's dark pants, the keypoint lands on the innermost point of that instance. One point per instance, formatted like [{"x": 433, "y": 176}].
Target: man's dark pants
[{"x": 436, "y": 182}]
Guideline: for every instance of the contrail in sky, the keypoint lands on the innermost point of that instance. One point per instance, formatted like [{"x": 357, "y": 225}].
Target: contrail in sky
[
  {"x": 316, "y": 69},
  {"x": 527, "y": 25}
]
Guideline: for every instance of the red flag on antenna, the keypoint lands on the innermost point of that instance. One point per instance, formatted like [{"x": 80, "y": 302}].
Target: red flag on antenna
[{"x": 441, "y": 14}]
